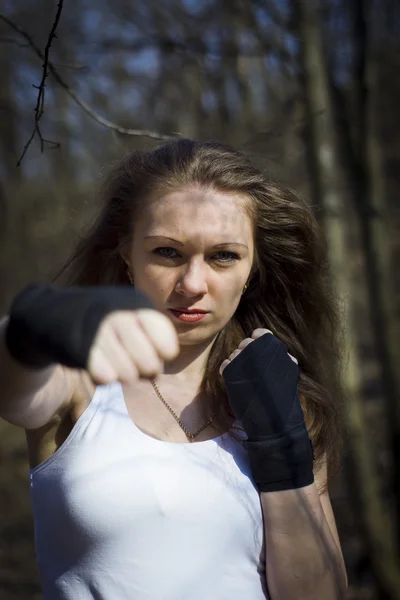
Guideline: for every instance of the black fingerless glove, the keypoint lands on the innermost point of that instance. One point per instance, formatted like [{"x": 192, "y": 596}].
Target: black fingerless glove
[
  {"x": 261, "y": 384},
  {"x": 50, "y": 324}
]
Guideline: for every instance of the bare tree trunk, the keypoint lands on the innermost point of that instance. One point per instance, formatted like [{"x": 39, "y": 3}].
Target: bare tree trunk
[
  {"x": 328, "y": 167},
  {"x": 10, "y": 150},
  {"x": 9, "y": 131},
  {"x": 376, "y": 236}
]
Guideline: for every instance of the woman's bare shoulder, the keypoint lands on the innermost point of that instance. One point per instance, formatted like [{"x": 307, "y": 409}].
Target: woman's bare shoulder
[
  {"x": 43, "y": 441},
  {"x": 76, "y": 389},
  {"x": 83, "y": 392}
]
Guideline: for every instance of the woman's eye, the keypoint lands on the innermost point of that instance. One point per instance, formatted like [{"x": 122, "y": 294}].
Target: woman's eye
[
  {"x": 222, "y": 257},
  {"x": 165, "y": 252},
  {"x": 227, "y": 257}
]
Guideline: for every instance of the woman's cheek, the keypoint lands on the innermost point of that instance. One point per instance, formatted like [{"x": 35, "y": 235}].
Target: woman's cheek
[
  {"x": 150, "y": 281},
  {"x": 228, "y": 305}
]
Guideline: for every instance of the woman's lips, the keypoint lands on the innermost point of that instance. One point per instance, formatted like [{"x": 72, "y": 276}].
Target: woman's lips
[{"x": 187, "y": 317}]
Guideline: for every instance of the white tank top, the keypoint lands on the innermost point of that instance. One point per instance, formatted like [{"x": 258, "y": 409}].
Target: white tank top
[{"x": 119, "y": 515}]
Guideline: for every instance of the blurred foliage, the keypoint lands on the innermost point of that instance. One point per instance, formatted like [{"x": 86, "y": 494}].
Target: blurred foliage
[{"x": 212, "y": 69}]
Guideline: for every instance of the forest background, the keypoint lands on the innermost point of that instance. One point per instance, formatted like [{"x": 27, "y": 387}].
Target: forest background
[{"x": 310, "y": 89}]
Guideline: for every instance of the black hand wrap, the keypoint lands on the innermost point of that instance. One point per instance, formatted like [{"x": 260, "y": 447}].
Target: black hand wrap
[
  {"x": 261, "y": 384},
  {"x": 50, "y": 324}
]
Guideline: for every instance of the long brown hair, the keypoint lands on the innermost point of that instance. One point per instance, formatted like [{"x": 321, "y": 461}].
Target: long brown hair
[{"x": 290, "y": 289}]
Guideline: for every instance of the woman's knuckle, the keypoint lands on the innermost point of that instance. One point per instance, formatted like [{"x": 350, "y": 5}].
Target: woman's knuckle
[
  {"x": 129, "y": 373},
  {"x": 260, "y": 331},
  {"x": 245, "y": 343},
  {"x": 148, "y": 360},
  {"x": 150, "y": 369},
  {"x": 161, "y": 332}
]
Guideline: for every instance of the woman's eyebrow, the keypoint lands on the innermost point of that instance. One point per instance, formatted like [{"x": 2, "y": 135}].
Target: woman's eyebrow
[
  {"x": 230, "y": 244},
  {"x": 178, "y": 243},
  {"x": 163, "y": 237}
]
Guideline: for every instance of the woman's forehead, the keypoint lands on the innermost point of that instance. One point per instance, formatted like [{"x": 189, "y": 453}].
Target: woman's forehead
[{"x": 206, "y": 208}]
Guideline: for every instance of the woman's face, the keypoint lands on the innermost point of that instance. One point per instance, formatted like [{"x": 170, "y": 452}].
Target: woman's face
[{"x": 193, "y": 249}]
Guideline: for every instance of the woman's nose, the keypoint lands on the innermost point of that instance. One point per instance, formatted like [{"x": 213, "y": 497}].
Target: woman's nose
[{"x": 193, "y": 281}]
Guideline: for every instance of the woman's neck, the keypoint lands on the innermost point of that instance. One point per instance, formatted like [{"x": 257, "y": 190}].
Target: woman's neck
[{"x": 190, "y": 364}]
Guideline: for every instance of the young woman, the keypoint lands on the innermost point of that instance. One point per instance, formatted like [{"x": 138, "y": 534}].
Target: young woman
[{"x": 160, "y": 389}]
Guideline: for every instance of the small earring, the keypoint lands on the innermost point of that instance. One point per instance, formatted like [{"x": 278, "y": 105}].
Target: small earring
[
  {"x": 129, "y": 276},
  {"x": 244, "y": 289}
]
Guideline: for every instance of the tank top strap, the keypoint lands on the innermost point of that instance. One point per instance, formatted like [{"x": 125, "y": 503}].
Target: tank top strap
[
  {"x": 84, "y": 421},
  {"x": 104, "y": 393},
  {"x": 108, "y": 400},
  {"x": 113, "y": 392}
]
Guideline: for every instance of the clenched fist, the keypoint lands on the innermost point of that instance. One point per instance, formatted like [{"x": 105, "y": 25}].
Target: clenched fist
[
  {"x": 256, "y": 334},
  {"x": 132, "y": 344},
  {"x": 113, "y": 332},
  {"x": 261, "y": 380}
]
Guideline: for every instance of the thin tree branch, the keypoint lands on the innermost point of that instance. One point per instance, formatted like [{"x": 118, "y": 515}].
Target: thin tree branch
[
  {"x": 194, "y": 47},
  {"x": 89, "y": 111},
  {"x": 52, "y": 35},
  {"x": 39, "y": 109},
  {"x": 84, "y": 106},
  {"x": 75, "y": 67},
  {"x": 6, "y": 40}
]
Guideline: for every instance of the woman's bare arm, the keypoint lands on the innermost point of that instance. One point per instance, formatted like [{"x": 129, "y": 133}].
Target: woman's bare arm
[
  {"x": 304, "y": 556},
  {"x": 30, "y": 398},
  {"x": 127, "y": 339}
]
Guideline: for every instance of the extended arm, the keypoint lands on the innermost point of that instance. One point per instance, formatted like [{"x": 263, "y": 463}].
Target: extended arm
[
  {"x": 50, "y": 335},
  {"x": 29, "y": 397},
  {"x": 303, "y": 554}
]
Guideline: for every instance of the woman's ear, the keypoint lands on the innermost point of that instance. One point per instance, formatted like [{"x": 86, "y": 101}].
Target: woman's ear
[
  {"x": 124, "y": 251},
  {"x": 125, "y": 257}
]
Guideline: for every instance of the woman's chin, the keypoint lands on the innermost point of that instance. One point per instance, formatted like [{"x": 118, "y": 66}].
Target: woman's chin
[{"x": 190, "y": 337}]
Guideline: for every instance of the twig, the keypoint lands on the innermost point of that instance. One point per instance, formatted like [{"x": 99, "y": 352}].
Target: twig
[
  {"x": 39, "y": 109},
  {"x": 195, "y": 47},
  {"x": 85, "y": 107},
  {"x": 76, "y": 67},
  {"x": 106, "y": 122},
  {"x": 5, "y": 40}
]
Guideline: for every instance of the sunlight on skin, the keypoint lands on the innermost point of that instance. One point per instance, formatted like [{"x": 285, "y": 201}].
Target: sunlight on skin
[{"x": 190, "y": 275}]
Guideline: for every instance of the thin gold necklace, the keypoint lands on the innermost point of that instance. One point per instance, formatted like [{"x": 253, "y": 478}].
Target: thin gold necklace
[{"x": 190, "y": 435}]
